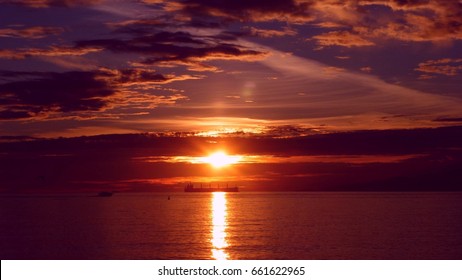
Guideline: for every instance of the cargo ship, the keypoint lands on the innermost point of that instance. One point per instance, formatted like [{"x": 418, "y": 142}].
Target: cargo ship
[{"x": 191, "y": 188}]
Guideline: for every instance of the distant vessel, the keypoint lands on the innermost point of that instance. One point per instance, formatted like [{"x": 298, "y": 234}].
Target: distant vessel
[
  {"x": 190, "y": 188},
  {"x": 105, "y": 194}
]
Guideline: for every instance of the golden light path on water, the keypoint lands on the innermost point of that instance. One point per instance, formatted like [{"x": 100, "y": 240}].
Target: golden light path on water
[{"x": 219, "y": 224}]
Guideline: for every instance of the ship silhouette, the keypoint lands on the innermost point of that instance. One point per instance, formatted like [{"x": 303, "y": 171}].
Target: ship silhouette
[{"x": 191, "y": 188}]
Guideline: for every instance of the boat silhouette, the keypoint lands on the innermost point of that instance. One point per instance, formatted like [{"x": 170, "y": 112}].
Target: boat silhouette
[{"x": 191, "y": 188}]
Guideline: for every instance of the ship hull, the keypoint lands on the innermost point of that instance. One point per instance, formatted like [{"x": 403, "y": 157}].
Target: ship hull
[
  {"x": 190, "y": 188},
  {"x": 211, "y": 190}
]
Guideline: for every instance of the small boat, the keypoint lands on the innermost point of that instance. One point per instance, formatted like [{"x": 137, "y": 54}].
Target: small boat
[
  {"x": 190, "y": 188},
  {"x": 105, "y": 194}
]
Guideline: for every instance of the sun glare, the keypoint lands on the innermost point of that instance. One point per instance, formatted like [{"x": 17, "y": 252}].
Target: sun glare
[{"x": 221, "y": 159}]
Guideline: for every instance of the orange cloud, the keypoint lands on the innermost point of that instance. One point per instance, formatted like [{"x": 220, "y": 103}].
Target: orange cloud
[
  {"x": 412, "y": 21},
  {"x": 356, "y": 23},
  {"x": 366, "y": 69},
  {"x": 445, "y": 66},
  {"x": 331, "y": 71},
  {"x": 35, "y": 32},
  {"x": 53, "y": 51},
  {"x": 268, "y": 33},
  {"x": 342, "y": 38},
  {"x": 413, "y": 28}
]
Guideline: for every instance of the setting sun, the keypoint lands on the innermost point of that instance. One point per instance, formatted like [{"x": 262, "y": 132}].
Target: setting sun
[{"x": 221, "y": 159}]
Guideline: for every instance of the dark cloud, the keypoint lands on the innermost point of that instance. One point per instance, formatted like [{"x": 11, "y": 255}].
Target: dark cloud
[
  {"x": 355, "y": 23},
  {"x": 148, "y": 26},
  {"x": 289, "y": 131},
  {"x": 256, "y": 10},
  {"x": 448, "y": 120},
  {"x": 39, "y": 95},
  {"x": 53, "y": 92},
  {"x": 177, "y": 48},
  {"x": 250, "y": 10},
  {"x": 135, "y": 77},
  {"x": 50, "y": 3},
  {"x": 351, "y": 23},
  {"x": 13, "y": 115}
]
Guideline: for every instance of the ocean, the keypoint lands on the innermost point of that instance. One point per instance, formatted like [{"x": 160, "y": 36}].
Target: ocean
[{"x": 244, "y": 225}]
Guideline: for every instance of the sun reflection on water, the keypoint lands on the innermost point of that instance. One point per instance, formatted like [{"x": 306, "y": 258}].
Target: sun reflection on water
[{"x": 219, "y": 224}]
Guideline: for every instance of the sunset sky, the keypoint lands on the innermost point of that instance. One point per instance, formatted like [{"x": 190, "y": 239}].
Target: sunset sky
[{"x": 313, "y": 72}]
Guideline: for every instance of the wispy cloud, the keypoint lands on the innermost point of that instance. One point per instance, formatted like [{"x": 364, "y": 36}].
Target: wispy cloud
[
  {"x": 342, "y": 38},
  {"x": 349, "y": 93},
  {"x": 444, "y": 66},
  {"x": 23, "y": 53},
  {"x": 35, "y": 32},
  {"x": 268, "y": 33}
]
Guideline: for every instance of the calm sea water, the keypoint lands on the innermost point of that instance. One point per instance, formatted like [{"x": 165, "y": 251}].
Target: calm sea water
[{"x": 292, "y": 225}]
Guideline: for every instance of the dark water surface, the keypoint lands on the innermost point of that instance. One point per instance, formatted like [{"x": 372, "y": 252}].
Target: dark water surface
[{"x": 290, "y": 225}]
